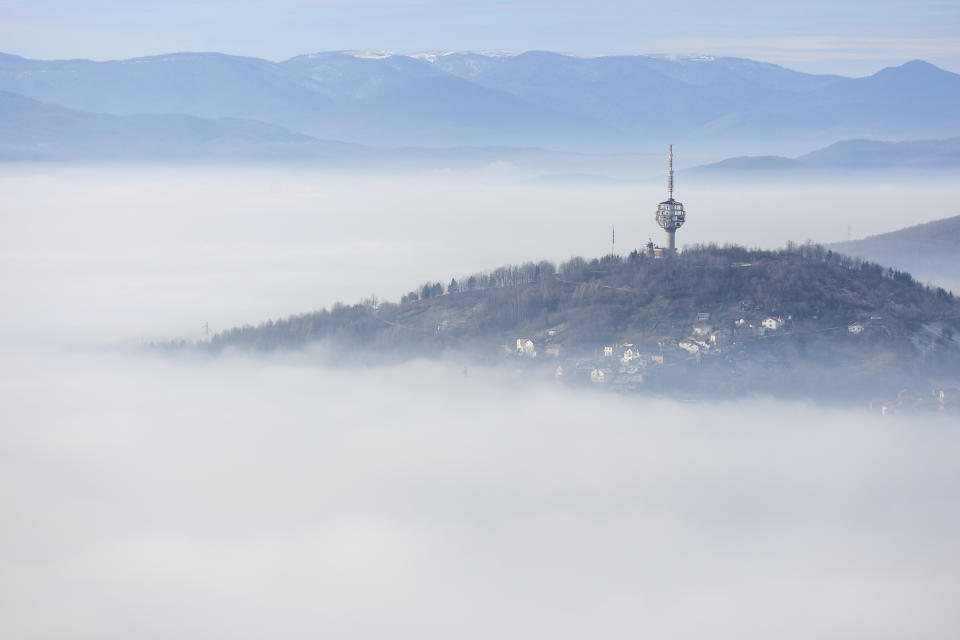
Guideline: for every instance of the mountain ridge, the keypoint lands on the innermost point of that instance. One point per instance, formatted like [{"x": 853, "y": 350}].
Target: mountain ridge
[
  {"x": 34, "y": 130},
  {"x": 537, "y": 98},
  {"x": 859, "y": 154},
  {"x": 931, "y": 250},
  {"x": 37, "y": 130}
]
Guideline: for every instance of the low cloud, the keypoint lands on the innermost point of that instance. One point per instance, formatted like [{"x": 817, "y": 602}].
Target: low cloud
[{"x": 147, "y": 496}]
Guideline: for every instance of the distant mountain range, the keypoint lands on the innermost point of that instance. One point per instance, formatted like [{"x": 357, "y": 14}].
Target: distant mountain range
[
  {"x": 930, "y": 251},
  {"x": 450, "y": 99},
  {"x": 852, "y": 155},
  {"x": 33, "y": 130}
]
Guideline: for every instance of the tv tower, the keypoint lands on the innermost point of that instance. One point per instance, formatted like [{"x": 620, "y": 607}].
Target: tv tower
[{"x": 670, "y": 214}]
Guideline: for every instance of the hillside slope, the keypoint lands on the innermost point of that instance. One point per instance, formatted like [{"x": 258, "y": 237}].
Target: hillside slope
[
  {"x": 930, "y": 251},
  {"x": 909, "y": 332}
]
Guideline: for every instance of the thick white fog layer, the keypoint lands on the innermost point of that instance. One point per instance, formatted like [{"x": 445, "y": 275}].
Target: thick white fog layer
[
  {"x": 133, "y": 254},
  {"x": 147, "y": 496}
]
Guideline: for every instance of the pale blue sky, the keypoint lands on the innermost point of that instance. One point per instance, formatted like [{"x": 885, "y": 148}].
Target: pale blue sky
[{"x": 853, "y": 37}]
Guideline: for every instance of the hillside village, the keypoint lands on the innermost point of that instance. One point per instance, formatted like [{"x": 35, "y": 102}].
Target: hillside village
[{"x": 630, "y": 367}]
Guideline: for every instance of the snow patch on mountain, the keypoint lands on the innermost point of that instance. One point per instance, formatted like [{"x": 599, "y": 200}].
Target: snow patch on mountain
[
  {"x": 371, "y": 54},
  {"x": 682, "y": 58},
  {"x": 430, "y": 56},
  {"x": 435, "y": 55}
]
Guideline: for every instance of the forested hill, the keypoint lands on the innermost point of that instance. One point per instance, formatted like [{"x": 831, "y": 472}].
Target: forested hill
[
  {"x": 838, "y": 320},
  {"x": 616, "y": 298}
]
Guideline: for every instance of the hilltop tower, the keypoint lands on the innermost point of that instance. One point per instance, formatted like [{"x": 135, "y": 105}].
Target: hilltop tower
[{"x": 670, "y": 214}]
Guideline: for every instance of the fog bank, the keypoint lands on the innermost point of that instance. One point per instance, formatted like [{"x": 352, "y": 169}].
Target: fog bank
[{"x": 154, "y": 497}]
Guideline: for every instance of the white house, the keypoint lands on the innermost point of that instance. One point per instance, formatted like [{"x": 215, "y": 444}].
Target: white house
[
  {"x": 597, "y": 376},
  {"x": 689, "y": 345},
  {"x": 607, "y": 352},
  {"x": 628, "y": 355},
  {"x": 525, "y": 347},
  {"x": 719, "y": 337},
  {"x": 856, "y": 328},
  {"x": 773, "y": 323}
]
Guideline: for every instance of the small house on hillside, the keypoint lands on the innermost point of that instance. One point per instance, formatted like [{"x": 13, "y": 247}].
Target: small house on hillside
[
  {"x": 525, "y": 347},
  {"x": 689, "y": 346},
  {"x": 773, "y": 323}
]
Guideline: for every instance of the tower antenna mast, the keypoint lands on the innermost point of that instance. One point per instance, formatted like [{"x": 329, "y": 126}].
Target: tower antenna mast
[{"x": 670, "y": 175}]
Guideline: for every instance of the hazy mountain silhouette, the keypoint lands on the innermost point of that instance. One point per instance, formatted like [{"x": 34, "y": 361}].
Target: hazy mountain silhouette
[
  {"x": 929, "y": 251},
  {"x": 33, "y": 130},
  {"x": 535, "y": 98},
  {"x": 875, "y": 154},
  {"x": 851, "y": 155}
]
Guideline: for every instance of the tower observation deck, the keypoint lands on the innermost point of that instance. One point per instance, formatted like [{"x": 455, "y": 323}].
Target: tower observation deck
[{"x": 670, "y": 213}]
